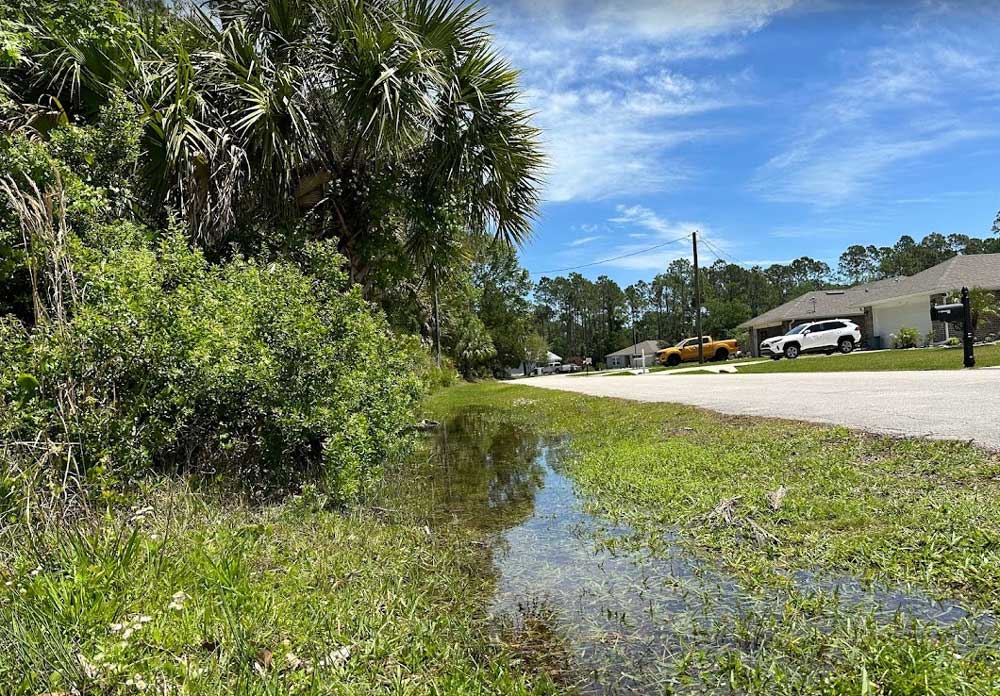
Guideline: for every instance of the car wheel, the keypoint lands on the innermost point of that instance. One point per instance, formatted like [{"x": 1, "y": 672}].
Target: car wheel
[
  {"x": 673, "y": 360},
  {"x": 846, "y": 345},
  {"x": 721, "y": 355},
  {"x": 791, "y": 352}
]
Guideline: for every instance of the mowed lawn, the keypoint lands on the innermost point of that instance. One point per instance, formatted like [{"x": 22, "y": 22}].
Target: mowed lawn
[{"x": 912, "y": 359}]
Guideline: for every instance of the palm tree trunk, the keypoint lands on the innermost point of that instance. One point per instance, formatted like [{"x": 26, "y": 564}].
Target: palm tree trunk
[{"x": 437, "y": 318}]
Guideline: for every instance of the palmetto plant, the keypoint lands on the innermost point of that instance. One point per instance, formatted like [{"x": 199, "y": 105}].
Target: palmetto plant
[{"x": 323, "y": 118}]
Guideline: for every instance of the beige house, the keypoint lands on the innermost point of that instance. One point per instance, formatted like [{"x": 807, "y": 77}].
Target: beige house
[{"x": 883, "y": 307}]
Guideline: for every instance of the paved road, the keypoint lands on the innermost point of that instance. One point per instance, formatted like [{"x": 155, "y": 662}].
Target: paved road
[{"x": 959, "y": 404}]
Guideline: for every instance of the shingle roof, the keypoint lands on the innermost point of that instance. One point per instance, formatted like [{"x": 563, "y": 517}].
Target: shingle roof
[
  {"x": 973, "y": 271},
  {"x": 821, "y": 304},
  {"x": 650, "y": 347},
  {"x": 978, "y": 270}
]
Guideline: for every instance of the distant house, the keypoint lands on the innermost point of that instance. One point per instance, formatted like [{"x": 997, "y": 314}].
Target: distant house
[
  {"x": 551, "y": 364},
  {"x": 883, "y": 307},
  {"x": 632, "y": 356}
]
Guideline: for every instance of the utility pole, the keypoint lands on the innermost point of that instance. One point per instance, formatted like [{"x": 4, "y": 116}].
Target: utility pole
[{"x": 697, "y": 299}]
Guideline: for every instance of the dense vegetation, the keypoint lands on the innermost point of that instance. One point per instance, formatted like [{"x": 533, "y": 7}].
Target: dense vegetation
[
  {"x": 229, "y": 237},
  {"x": 204, "y": 211},
  {"x": 580, "y": 317}
]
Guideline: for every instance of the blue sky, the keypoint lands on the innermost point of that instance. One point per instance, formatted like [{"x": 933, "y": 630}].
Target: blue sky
[{"x": 777, "y": 128}]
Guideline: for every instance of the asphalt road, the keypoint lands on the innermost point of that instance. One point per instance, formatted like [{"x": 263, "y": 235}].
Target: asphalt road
[{"x": 957, "y": 404}]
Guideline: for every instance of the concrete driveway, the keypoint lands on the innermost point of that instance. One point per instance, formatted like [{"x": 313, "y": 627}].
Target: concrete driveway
[{"x": 959, "y": 404}]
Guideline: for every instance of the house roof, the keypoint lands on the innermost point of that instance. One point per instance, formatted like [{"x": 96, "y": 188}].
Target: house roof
[
  {"x": 972, "y": 271},
  {"x": 977, "y": 270},
  {"x": 552, "y": 357},
  {"x": 824, "y": 304},
  {"x": 649, "y": 347}
]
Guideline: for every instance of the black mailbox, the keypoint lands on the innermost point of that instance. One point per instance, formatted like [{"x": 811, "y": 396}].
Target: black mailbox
[
  {"x": 948, "y": 312},
  {"x": 961, "y": 311}
]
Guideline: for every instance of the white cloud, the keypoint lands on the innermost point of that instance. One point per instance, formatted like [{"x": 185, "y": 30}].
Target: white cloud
[
  {"x": 894, "y": 108},
  {"x": 604, "y": 81},
  {"x": 584, "y": 240},
  {"x": 659, "y": 230},
  {"x": 660, "y": 19},
  {"x": 663, "y": 229},
  {"x": 831, "y": 173}
]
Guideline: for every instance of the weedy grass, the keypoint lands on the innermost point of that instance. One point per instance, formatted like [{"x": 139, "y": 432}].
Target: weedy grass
[
  {"x": 785, "y": 509},
  {"x": 193, "y": 595},
  {"x": 812, "y": 645},
  {"x": 912, "y": 359},
  {"x": 896, "y": 511}
]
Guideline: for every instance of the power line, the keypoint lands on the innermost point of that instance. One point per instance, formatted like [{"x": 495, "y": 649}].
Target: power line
[
  {"x": 719, "y": 254},
  {"x": 613, "y": 258}
]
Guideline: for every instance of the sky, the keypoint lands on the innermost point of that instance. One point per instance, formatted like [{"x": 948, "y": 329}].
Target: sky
[{"x": 777, "y": 128}]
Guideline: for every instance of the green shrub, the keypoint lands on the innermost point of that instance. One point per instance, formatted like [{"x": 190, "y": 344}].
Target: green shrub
[
  {"x": 259, "y": 372},
  {"x": 422, "y": 364},
  {"x": 908, "y": 337}
]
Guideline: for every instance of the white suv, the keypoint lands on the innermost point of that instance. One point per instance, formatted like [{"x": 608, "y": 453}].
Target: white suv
[{"x": 816, "y": 337}]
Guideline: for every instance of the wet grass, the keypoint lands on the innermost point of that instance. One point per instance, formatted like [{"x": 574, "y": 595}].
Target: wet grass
[
  {"x": 188, "y": 594},
  {"x": 898, "y": 510},
  {"x": 912, "y": 359},
  {"x": 916, "y": 517}
]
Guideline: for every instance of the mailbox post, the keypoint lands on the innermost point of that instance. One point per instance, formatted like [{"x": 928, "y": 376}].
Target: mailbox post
[
  {"x": 967, "y": 336},
  {"x": 959, "y": 311}
]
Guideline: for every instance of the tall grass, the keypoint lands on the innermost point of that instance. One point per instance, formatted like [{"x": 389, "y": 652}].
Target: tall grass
[{"x": 186, "y": 592}]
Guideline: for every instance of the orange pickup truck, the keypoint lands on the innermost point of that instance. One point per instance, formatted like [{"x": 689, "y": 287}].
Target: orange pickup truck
[{"x": 687, "y": 350}]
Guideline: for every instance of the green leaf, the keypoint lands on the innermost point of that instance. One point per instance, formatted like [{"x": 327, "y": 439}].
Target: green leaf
[{"x": 27, "y": 387}]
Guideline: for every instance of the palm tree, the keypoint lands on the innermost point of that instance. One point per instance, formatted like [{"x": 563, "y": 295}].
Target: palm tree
[{"x": 339, "y": 119}]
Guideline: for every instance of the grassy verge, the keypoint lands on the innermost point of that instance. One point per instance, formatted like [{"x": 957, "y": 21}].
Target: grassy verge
[
  {"x": 708, "y": 363},
  {"x": 661, "y": 368},
  {"x": 891, "y": 510},
  {"x": 913, "y": 359},
  {"x": 185, "y": 594}
]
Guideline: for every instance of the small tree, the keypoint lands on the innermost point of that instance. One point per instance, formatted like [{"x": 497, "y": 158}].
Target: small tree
[
  {"x": 982, "y": 305},
  {"x": 536, "y": 350}
]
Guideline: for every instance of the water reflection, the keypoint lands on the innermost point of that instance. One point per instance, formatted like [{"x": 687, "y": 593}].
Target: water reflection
[
  {"x": 477, "y": 472},
  {"x": 627, "y": 621}
]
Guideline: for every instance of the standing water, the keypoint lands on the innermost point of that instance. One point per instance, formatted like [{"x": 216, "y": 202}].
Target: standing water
[{"x": 629, "y": 622}]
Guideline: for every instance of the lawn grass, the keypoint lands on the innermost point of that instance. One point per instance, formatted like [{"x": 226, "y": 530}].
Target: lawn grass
[
  {"x": 913, "y": 359},
  {"x": 884, "y": 509},
  {"x": 708, "y": 363},
  {"x": 187, "y": 594}
]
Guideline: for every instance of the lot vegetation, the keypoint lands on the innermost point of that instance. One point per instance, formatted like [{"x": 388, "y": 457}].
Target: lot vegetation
[
  {"x": 787, "y": 506},
  {"x": 229, "y": 239}
]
